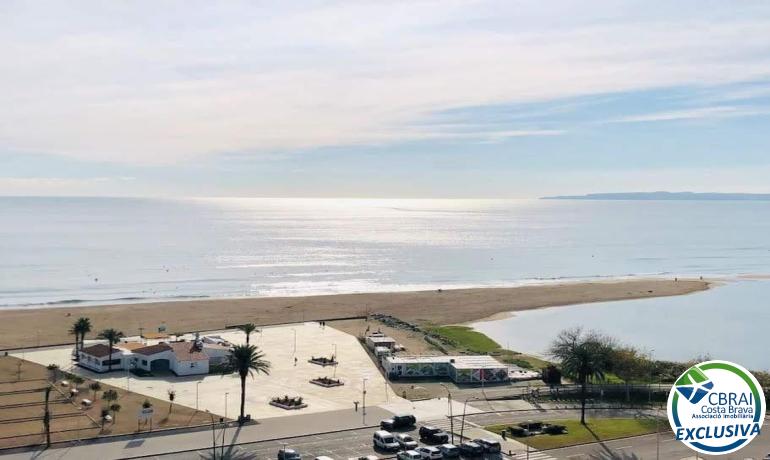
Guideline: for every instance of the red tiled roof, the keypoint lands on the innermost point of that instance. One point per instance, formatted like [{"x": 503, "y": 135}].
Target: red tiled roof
[
  {"x": 152, "y": 349},
  {"x": 99, "y": 350},
  {"x": 185, "y": 351}
]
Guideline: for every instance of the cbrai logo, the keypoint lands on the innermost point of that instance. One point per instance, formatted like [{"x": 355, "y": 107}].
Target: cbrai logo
[{"x": 716, "y": 407}]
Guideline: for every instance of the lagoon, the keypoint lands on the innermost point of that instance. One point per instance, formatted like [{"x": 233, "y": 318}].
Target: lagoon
[{"x": 727, "y": 322}]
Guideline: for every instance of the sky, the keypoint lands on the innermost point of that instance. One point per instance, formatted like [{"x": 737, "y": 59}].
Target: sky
[{"x": 500, "y": 99}]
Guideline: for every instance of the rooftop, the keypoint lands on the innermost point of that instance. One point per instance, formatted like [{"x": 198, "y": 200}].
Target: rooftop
[
  {"x": 152, "y": 349},
  {"x": 186, "y": 351},
  {"x": 99, "y": 350},
  {"x": 459, "y": 361}
]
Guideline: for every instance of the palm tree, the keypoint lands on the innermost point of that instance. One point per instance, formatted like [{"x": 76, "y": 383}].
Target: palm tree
[
  {"x": 171, "y": 397},
  {"x": 110, "y": 395},
  {"x": 583, "y": 357},
  {"x": 246, "y": 360},
  {"x": 115, "y": 408},
  {"x": 95, "y": 387},
  {"x": 79, "y": 329},
  {"x": 112, "y": 336},
  {"x": 247, "y": 329}
]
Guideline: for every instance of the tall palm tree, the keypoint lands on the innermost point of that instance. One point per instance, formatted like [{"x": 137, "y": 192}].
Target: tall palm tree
[
  {"x": 112, "y": 336},
  {"x": 247, "y": 360},
  {"x": 79, "y": 329},
  {"x": 583, "y": 357},
  {"x": 248, "y": 329},
  {"x": 115, "y": 408}
]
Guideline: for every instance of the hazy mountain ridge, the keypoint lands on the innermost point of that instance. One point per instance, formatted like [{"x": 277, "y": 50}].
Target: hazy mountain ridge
[{"x": 671, "y": 196}]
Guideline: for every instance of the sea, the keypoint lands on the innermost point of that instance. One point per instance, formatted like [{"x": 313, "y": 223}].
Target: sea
[{"x": 82, "y": 251}]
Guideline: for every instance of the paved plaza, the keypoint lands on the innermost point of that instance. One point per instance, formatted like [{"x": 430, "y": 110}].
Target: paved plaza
[{"x": 220, "y": 394}]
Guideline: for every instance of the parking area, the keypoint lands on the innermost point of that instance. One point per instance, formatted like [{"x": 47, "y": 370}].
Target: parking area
[{"x": 339, "y": 446}]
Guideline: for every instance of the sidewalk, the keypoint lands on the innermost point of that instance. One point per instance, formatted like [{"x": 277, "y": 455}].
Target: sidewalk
[{"x": 272, "y": 428}]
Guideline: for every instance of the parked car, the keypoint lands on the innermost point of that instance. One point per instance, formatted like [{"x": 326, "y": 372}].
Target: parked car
[
  {"x": 490, "y": 446},
  {"x": 430, "y": 453},
  {"x": 471, "y": 449},
  {"x": 409, "y": 455},
  {"x": 406, "y": 442},
  {"x": 365, "y": 457},
  {"x": 288, "y": 454},
  {"x": 385, "y": 441},
  {"x": 449, "y": 450},
  {"x": 398, "y": 421},
  {"x": 433, "y": 435},
  {"x": 323, "y": 457}
]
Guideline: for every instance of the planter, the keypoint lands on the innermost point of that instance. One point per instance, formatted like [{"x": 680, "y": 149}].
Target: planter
[
  {"x": 327, "y": 383},
  {"x": 288, "y": 406},
  {"x": 323, "y": 361}
]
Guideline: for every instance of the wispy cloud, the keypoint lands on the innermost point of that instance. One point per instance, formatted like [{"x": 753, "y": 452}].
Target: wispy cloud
[
  {"x": 698, "y": 113},
  {"x": 109, "y": 82}
]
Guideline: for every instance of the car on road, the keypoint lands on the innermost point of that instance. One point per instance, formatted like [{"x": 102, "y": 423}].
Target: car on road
[
  {"x": 406, "y": 441},
  {"x": 397, "y": 422},
  {"x": 384, "y": 440},
  {"x": 449, "y": 450},
  {"x": 288, "y": 454},
  {"x": 433, "y": 435},
  {"x": 471, "y": 449},
  {"x": 490, "y": 446},
  {"x": 409, "y": 455},
  {"x": 430, "y": 453},
  {"x": 323, "y": 457},
  {"x": 365, "y": 457}
]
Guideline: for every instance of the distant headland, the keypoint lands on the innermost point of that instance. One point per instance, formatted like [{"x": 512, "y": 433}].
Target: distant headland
[{"x": 670, "y": 196}]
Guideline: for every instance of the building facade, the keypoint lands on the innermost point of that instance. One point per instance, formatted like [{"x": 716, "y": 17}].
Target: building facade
[{"x": 460, "y": 369}]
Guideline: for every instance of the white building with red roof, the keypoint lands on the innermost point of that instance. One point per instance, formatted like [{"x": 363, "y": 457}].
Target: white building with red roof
[{"x": 181, "y": 358}]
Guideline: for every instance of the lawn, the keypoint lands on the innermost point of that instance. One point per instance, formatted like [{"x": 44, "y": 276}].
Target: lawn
[
  {"x": 596, "y": 430},
  {"x": 466, "y": 338}
]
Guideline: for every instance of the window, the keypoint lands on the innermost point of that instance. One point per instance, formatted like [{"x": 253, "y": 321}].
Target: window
[
  {"x": 144, "y": 362},
  {"x": 192, "y": 364}
]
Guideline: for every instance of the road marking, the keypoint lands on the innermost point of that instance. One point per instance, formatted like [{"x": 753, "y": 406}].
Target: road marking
[{"x": 624, "y": 447}]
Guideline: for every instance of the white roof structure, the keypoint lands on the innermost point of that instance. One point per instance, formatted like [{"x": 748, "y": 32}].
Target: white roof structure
[{"x": 459, "y": 361}]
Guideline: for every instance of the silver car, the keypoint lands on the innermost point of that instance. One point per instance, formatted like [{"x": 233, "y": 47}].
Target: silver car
[{"x": 406, "y": 442}]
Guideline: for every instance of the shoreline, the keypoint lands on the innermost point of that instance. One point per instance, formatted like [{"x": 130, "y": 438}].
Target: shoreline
[{"x": 49, "y": 325}]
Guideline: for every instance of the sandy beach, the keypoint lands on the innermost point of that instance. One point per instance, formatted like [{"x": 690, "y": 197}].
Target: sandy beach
[{"x": 47, "y": 326}]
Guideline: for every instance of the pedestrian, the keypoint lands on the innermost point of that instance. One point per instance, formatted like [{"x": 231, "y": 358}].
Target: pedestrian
[{"x": 295, "y": 361}]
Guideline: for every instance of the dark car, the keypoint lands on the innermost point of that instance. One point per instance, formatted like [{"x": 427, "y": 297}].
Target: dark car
[
  {"x": 490, "y": 446},
  {"x": 432, "y": 435},
  {"x": 398, "y": 421},
  {"x": 471, "y": 449},
  {"x": 288, "y": 454}
]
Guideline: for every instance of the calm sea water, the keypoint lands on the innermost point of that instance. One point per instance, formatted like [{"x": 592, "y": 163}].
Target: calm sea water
[
  {"x": 97, "y": 250},
  {"x": 729, "y": 322}
]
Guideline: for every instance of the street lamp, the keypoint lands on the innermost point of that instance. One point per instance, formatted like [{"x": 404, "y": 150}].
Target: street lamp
[
  {"x": 462, "y": 423},
  {"x": 451, "y": 419},
  {"x": 649, "y": 386},
  {"x": 196, "y": 394},
  {"x": 364, "y": 400},
  {"x": 226, "y": 404},
  {"x": 295, "y": 340}
]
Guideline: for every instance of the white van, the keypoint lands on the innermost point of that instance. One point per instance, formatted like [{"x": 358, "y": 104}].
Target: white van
[{"x": 385, "y": 441}]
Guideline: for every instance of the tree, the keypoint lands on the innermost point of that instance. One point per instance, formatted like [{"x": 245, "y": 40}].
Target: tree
[
  {"x": 95, "y": 388},
  {"x": 77, "y": 380},
  {"x": 248, "y": 329},
  {"x": 115, "y": 408},
  {"x": 246, "y": 360},
  {"x": 146, "y": 404},
  {"x": 53, "y": 372},
  {"x": 79, "y": 329},
  {"x": 583, "y": 357},
  {"x": 629, "y": 364},
  {"x": 110, "y": 395},
  {"x": 171, "y": 397},
  {"x": 112, "y": 336}
]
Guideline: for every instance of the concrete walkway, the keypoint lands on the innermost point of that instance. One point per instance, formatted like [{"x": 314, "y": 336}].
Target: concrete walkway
[{"x": 272, "y": 428}]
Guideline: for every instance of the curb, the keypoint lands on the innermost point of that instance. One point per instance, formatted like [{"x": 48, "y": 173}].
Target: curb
[{"x": 253, "y": 442}]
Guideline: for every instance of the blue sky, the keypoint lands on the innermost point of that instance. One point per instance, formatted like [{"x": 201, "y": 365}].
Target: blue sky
[{"x": 383, "y": 99}]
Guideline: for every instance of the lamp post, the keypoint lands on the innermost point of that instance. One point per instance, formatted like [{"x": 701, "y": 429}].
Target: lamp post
[
  {"x": 213, "y": 436},
  {"x": 462, "y": 423},
  {"x": 451, "y": 419},
  {"x": 196, "y": 395},
  {"x": 649, "y": 386},
  {"x": 363, "y": 399},
  {"x": 295, "y": 340},
  {"x": 226, "y": 394}
]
